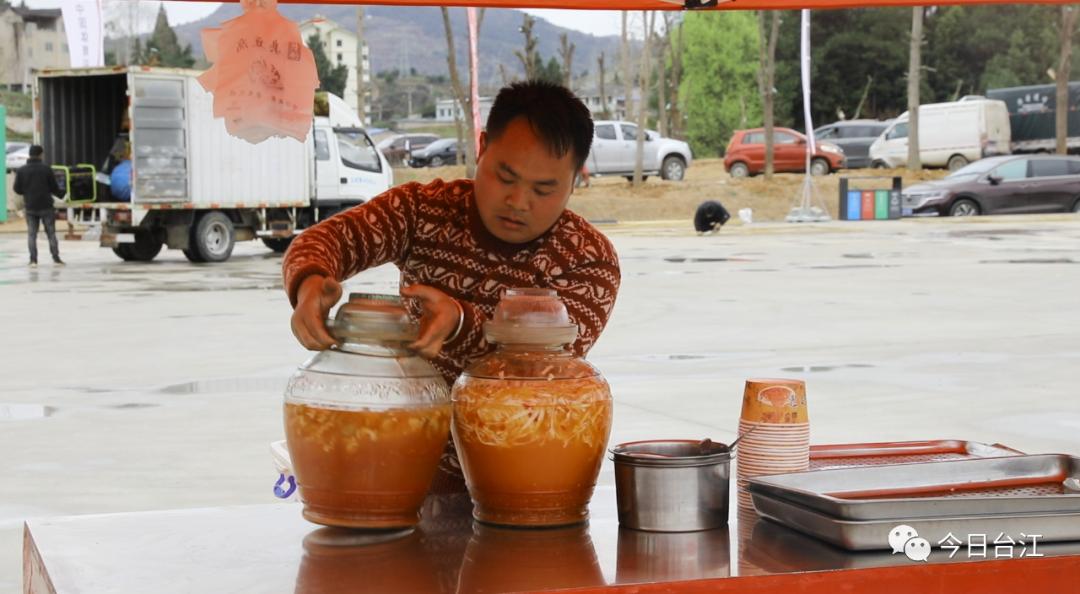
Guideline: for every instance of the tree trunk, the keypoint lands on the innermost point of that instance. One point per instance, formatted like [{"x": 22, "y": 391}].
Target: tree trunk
[
  {"x": 624, "y": 59},
  {"x": 361, "y": 89},
  {"x": 862, "y": 100},
  {"x": 768, "y": 33},
  {"x": 914, "y": 76},
  {"x": 604, "y": 113},
  {"x": 465, "y": 134},
  {"x": 1061, "y": 78},
  {"x": 648, "y": 20},
  {"x": 661, "y": 86},
  {"x": 566, "y": 52},
  {"x": 676, "y": 42}
]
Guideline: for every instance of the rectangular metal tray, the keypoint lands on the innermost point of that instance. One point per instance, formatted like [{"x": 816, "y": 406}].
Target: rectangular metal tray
[
  {"x": 980, "y": 486},
  {"x": 1025, "y": 530},
  {"x": 902, "y": 452}
]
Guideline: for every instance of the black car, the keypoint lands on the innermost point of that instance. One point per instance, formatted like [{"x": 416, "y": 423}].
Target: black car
[
  {"x": 1001, "y": 185},
  {"x": 441, "y": 152},
  {"x": 855, "y": 137}
]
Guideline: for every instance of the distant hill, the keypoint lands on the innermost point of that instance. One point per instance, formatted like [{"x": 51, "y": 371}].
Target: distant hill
[{"x": 403, "y": 38}]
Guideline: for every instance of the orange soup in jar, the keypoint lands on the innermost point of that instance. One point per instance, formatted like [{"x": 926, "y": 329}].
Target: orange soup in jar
[
  {"x": 531, "y": 450},
  {"x": 365, "y": 468}
]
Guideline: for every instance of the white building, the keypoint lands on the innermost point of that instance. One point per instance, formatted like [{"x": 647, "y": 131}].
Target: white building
[
  {"x": 616, "y": 104},
  {"x": 445, "y": 109},
  {"x": 339, "y": 44},
  {"x": 30, "y": 40}
]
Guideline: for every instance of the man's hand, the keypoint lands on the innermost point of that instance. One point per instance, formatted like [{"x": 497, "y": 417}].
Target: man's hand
[
  {"x": 441, "y": 317},
  {"x": 316, "y": 296}
]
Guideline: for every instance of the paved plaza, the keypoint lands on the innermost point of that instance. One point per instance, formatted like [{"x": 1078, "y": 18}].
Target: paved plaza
[{"x": 128, "y": 387}]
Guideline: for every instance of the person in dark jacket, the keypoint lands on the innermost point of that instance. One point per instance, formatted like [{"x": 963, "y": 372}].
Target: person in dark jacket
[{"x": 37, "y": 184}]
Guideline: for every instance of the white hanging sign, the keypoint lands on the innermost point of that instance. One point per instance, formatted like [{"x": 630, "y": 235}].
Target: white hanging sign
[{"x": 85, "y": 36}]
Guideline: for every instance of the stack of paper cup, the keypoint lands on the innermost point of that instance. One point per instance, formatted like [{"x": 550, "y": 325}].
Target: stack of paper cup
[{"x": 775, "y": 410}]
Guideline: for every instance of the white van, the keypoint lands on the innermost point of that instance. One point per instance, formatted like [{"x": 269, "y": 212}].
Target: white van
[{"x": 950, "y": 134}]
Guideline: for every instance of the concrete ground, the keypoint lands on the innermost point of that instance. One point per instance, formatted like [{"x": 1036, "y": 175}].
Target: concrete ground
[{"x": 129, "y": 387}]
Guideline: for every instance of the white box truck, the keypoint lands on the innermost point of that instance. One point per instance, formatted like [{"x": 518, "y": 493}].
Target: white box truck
[
  {"x": 194, "y": 187},
  {"x": 950, "y": 134}
]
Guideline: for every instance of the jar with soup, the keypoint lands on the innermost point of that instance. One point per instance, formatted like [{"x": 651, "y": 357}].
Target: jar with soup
[
  {"x": 531, "y": 420},
  {"x": 367, "y": 421}
]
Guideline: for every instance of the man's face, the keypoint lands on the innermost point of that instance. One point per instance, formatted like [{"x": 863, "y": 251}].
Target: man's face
[{"x": 521, "y": 189}]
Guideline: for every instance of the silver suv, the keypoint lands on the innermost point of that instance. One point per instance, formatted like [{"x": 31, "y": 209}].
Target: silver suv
[{"x": 614, "y": 151}]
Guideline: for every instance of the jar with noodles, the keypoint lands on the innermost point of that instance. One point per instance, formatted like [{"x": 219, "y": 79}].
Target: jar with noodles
[
  {"x": 531, "y": 420},
  {"x": 367, "y": 422}
]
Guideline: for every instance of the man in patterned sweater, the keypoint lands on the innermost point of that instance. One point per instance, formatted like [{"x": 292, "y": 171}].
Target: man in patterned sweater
[{"x": 459, "y": 244}]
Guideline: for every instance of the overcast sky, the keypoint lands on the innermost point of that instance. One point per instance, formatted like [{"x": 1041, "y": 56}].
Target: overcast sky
[{"x": 596, "y": 22}]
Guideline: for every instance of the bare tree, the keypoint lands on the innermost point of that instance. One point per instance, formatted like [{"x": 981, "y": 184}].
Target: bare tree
[
  {"x": 661, "y": 84},
  {"x": 768, "y": 32},
  {"x": 624, "y": 63},
  {"x": 529, "y": 57},
  {"x": 604, "y": 113},
  {"x": 862, "y": 100},
  {"x": 1061, "y": 76},
  {"x": 506, "y": 78},
  {"x": 675, "y": 46},
  {"x": 914, "y": 162},
  {"x": 361, "y": 87},
  {"x": 644, "y": 74},
  {"x": 566, "y": 53},
  {"x": 466, "y": 131}
]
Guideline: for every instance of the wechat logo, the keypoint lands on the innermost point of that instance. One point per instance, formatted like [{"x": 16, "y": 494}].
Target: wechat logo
[{"x": 904, "y": 539}]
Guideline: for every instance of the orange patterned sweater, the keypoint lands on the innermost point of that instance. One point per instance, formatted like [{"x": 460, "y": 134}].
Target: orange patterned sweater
[{"x": 434, "y": 235}]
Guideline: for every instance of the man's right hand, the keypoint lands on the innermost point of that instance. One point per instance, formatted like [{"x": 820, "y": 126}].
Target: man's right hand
[{"x": 316, "y": 296}]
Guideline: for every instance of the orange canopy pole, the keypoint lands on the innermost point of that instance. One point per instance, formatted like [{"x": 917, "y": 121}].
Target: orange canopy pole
[{"x": 669, "y": 4}]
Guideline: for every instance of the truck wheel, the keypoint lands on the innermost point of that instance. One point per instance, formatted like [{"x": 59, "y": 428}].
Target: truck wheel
[
  {"x": 145, "y": 248},
  {"x": 957, "y": 162},
  {"x": 880, "y": 165},
  {"x": 436, "y": 161},
  {"x": 819, "y": 167},
  {"x": 278, "y": 244},
  {"x": 739, "y": 170},
  {"x": 673, "y": 169},
  {"x": 214, "y": 237},
  {"x": 193, "y": 255},
  {"x": 630, "y": 178}
]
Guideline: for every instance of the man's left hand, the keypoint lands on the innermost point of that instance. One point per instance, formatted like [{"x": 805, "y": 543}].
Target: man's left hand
[{"x": 440, "y": 319}]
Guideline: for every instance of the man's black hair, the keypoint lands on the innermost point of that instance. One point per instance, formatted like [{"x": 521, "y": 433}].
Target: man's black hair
[
  {"x": 554, "y": 113},
  {"x": 36, "y": 150}
]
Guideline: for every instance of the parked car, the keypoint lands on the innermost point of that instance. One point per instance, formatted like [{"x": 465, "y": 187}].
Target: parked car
[
  {"x": 1005, "y": 185},
  {"x": 17, "y": 158},
  {"x": 950, "y": 134},
  {"x": 745, "y": 154},
  {"x": 614, "y": 152},
  {"x": 397, "y": 148},
  {"x": 854, "y": 137},
  {"x": 443, "y": 151}
]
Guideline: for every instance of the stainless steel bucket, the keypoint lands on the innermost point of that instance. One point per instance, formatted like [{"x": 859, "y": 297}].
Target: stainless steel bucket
[{"x": 672, "y": 485}]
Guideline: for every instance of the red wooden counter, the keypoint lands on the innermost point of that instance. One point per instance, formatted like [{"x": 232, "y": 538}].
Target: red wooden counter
[{"x": 270, "y": 548}]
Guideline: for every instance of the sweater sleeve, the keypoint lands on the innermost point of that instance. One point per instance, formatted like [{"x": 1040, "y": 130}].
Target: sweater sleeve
[{"x": 362, "y": 237}]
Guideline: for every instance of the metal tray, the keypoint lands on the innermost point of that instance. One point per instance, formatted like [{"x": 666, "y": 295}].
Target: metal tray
[
  {"x": 982, "y": 486},
  {"x": 902, "y": 452},
  {"x": 1020, "y": 531}
]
